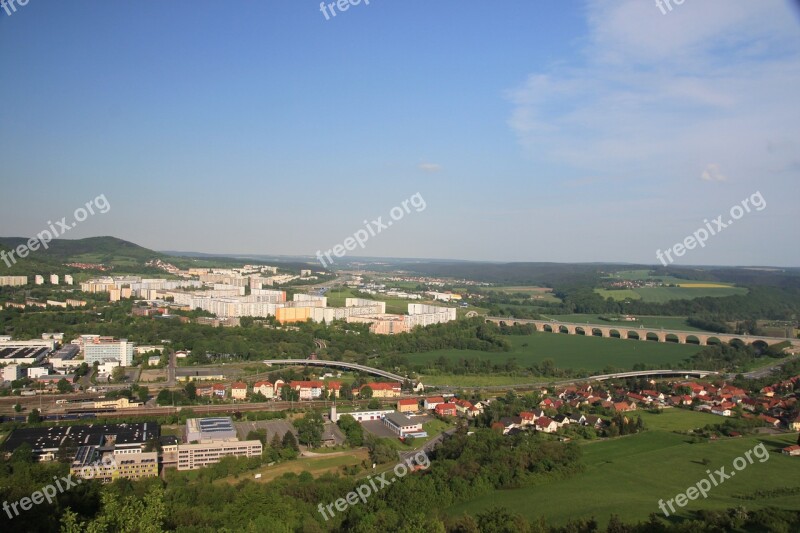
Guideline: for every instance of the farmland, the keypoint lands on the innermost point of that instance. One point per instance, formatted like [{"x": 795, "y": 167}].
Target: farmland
[
  {"x": 629, "y": 475},
  {"x": 573, "y": 351}
]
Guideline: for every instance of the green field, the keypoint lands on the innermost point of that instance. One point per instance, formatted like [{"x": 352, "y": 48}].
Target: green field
[
  {"x": 629, "y": 475},
  {"x": 573, "y": 351},
  {"x": 665, "y": 294},
  {"x": 678, "y": 419},
  {"x": 619, "y": 295}
]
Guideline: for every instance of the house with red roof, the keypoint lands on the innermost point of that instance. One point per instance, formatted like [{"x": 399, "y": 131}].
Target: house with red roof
[
  {"x": 445, "y": 409},
  {"x": 546, "y": 425},
  {"x": 432, "y": 402},
  {"x": 407, "y": 406},
  {"x": 264, "y": 388},
  {"x": 239, "y": 391}
]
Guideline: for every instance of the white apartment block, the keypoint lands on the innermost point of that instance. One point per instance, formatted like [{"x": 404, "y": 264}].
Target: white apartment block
[
  {"x": 362, "y": 302},
  {"x": 68, "y": 279},
  {"x": 13, "y": 281},
  {"x": 38, "y": 280},
  {"x": 100, "y": 350},
  {"x": 54, "y": 279}
]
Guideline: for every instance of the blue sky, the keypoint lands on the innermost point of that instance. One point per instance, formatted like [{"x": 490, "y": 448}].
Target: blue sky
[{"x": 535, "y": 131}]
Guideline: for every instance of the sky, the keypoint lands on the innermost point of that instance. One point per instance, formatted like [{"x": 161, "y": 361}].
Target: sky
[{"x": 572, "y": 131}]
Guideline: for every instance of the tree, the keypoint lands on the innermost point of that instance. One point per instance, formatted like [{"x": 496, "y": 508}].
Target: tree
[
  {"x": 143, "y": 393},
  {"x": 365, "y": 392},
  {"x": 309, "y": 429},
  {"x": 374, "y": 404},
  {"x": 290, "y": 442},
  {"x": 64, "y": 386},
  {"x": 33, "y": 417},
  {"x": 118, "y": 374},
  {"x": 17, "y": 407},
  {"x": 352, "y": 430},
  {"x": 191, "y": 391}
]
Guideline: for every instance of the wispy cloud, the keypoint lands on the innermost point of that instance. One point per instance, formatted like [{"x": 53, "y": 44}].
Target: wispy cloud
[
  {"x": 659, "y": 96},
  {"x": 429, "y": 167},
  {"x": 713, "y": 173}
]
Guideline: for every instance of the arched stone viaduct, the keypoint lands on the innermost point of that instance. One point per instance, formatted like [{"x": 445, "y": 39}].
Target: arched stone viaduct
[{"x": 640, "y": 333}]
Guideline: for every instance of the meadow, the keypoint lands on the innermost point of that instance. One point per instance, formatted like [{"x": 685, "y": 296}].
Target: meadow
[
  {"x": 685, "y": 290},
  {"x": 573, "y": 351},
  {"x": 629, "y": 475}
]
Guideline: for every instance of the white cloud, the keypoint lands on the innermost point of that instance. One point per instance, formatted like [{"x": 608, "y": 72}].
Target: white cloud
[
  {"x": 713, "y": 173},
  {"x": 430, "y": 167},
  {"x": 658, "y": 96}
]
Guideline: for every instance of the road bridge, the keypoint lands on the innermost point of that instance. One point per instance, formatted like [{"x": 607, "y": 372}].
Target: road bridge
[{"x": 337, "y": 364}]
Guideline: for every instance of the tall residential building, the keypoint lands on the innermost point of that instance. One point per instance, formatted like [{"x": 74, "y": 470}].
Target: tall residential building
[
  {"x": 68, "y": 279},
  {"x": 14, "y": 281},
  {"x": 38, "y": 280},
  {"x": 103, "y": 348},
  {"x": 54, "y": 279}
]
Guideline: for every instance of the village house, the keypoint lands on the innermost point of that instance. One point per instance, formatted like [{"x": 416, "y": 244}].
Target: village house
[
  {"x": 445, "y": 409},
  {"x": 239, "y": 391},
  {"x": 407, "y": 406},
  {"x": 264, "y": 388}
]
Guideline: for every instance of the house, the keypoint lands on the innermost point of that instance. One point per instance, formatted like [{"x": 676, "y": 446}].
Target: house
[
  {"x": 465, "y": 408},
  {"x": 528, "y": 418},
  {"x": 720, "y": 410},
  {"x": 546, "y": 425},
  {"x": 239, "y": 391},
  {"x": 561, "y": 420},
  {"x": 577, "y": 418},
  {"x": 383, "y": 390},
  {"x": 219, "y": 390},
  {"x": 774, "y": 422},
  {"x": 792, "y": 450},
  {"x": 510, "y": 422},
  {"x": 624, "y": 406},
  {"x": 432, "y": 402},
  {"x": 446, "y": 409},
  {"x": 335, "y": 388},
  {"x": 407, "y": 406},
  {"x": 205, "y": 391},
  {"x": 595, "y": 421},
  {"x": 309, "y": 390},
  {"x": 796, "y": 424},
  {"x": 264, "y": 388}
]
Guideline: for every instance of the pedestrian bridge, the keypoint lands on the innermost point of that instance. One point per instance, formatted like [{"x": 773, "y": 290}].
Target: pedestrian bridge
[{"x": 641, "y": 333}]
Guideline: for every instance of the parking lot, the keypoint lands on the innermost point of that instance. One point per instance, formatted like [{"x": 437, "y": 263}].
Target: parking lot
[{"x": 272, "y": 426}]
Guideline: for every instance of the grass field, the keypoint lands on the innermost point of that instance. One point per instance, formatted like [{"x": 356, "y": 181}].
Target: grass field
[
  {"x": 573, "y": 351},
  {"x": 665, "y": 294},
  {"x": 678, "y": 420},
  {"x": 629, "y": 475},
  {"x": 540, "y": 294},
  {"x": 686, "y": 290},
  {"x": 316, "y": 466},
  {"x": 619, "y": 295}
]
